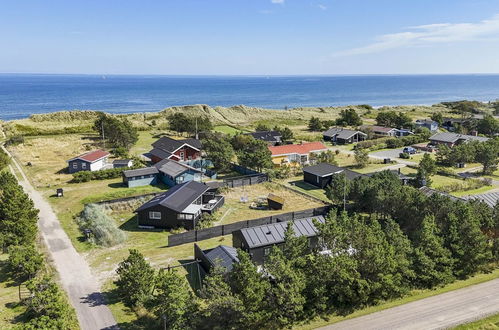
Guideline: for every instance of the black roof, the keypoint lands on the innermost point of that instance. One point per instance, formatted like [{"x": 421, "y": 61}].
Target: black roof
[
  {"x": 490, "y": 199},
  {"x": 325, "y": 169},
  {"x": 223, "y": 255},
  {"x": 341, "y": 133},
  {"x": 173, "y": 168},
  {"x": 427, "y": 191},
  {"x": 178, "y": 197},
  {"x": 274, "y": 233},
  {"x": 170, "y": 145},
  {"x": 268, "y": 136},
  {"x": 140, "y": 172},
  {"x": 122, "y": 161}
]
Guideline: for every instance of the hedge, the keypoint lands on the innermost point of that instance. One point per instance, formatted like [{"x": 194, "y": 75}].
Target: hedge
[{"x": 112, "y": 173}]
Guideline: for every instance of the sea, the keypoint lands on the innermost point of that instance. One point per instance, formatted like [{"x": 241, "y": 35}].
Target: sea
[{"x": 24, "y": 94}]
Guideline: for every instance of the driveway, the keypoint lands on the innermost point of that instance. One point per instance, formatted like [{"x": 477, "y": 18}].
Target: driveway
[
  {"x": 391, "y": 153},
  {"x": 438, "y": 312},
  {"x": 75, "y": 276}
]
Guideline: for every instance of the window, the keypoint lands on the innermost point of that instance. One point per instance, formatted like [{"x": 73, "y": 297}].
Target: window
[
  {"x": 266, "y": 251},
  {"x": 180, "y": 179},
  {"x": 155, "y": 215},
  {"x": 83, "y": 165},
  {"x": 75, "y": 165},
  {"x": 184, "y": 216},
  {"x": 182, "y": 155}
]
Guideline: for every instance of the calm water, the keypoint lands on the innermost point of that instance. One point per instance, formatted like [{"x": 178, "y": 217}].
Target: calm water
[{"x": 22, "y": 95}]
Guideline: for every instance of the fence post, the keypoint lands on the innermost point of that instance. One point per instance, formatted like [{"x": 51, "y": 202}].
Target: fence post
[{"x": 195, "y": 235}]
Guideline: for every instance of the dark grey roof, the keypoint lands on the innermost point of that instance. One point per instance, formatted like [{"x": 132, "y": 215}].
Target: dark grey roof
[
  {"x": 170, "y": 145},
  {"x": 342, "y": 133},
  {"x": 222, "y": 255},
  {"x": 160, "y": 153},
  {"x": 427, "y": 191},
  {"x": 490, "y": 199},
  {"x": 323, "y": 169},
  {"x": 178, "y": 197},
  {"x": 274, "y": 233},
  {"x": 140, "y": 171},
  {"x": 268, "y": 136},
  {"x": 121, "y": 161},
  {"x": 172, "y": 168},
  {"x": 426, "y": 121},
  {"x": 454, "y": 137},
  {"x": 332, "y": 131}
]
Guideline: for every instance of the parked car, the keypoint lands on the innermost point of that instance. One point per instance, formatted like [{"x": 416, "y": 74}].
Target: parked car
[{"x": 409, "y": 150}]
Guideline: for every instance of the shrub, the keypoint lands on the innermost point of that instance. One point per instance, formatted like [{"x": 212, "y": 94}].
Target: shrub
[
  {"x": 468, "y": 184},
  {"x": 14, "y": 140},
  {"x": 83, "y": 176},
  {"x": 112, "y": 173},
  {"x": 4, "y": 159},
  {"x": 404, "y": 155},
  {"x": 24, "y": 261},
  {"x": 206, "y": 221},
  {"x": 103, "y": 228},
  {"x": 394, "y": 143}
]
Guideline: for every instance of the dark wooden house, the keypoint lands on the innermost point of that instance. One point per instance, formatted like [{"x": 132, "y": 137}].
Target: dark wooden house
[
  {"x": 179, "y": 150},
  {"x": 181, "y": 206},
  {"x": 258, "y": 241},
  {"x": 221, "y": 256},
  {"x": 320, "y": 175}
]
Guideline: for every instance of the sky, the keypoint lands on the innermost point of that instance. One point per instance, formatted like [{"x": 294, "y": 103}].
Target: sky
[{"x": 249, "y": 37}]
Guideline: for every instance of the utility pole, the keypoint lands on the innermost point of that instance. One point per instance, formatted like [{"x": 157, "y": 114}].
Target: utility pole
[
  {"x": 197, "y": 137},
  {"x": 102, "y": 129}
]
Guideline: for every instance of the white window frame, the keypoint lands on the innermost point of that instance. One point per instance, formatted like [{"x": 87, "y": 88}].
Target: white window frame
[
  {"x": 75, "y": 165},
  {"x": 83, "y": 165},
  {"x": 266, "y": 251},
  {"x": 155, "y": 215}
]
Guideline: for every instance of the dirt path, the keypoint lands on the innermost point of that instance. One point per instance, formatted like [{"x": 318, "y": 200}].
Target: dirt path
[{"x": 75, "y": 275}]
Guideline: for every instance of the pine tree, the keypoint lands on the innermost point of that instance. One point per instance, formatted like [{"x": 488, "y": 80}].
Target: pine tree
[
  {"x": 432, "y": 261},
  {"x": 295, "y": 248},
  {"x": 135, "y": 279}
]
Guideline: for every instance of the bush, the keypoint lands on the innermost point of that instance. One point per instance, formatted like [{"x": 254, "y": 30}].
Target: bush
[
  {"x": 468, "y": 184},
  {"x": 14, "y": 140},
  {"x": 83, "y": 176},
  {"x": 4, "y": 159},
  {"x": 103, "y": 229},
  {"x": 404, "y": 155},
  {"x": 24, "y": 261},
  {"x": 112, "y": 173},
  {"x": 394, "y": 143},
  {"x": 206, "y": 221}
]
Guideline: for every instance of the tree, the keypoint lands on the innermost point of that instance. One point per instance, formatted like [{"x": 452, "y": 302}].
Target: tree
[
  {"x": 392, "y": 119},
  {"x": 349, "y": 117},
  {"x": 314, "y": 124},
  {"x": 120, "y": 133},
  {"x": 487, "y": 154},
  {"x": 488, "y": 125},
  {"x": 181, "y": 123},
  {"x": 339, "y": 189},
  {"x": 251, "y": 288},
  {"x": 286, "y": 294},
  {"x": 241, "y": 141},
  {"x": 173, "y": 300},
  {"x": 328, "y": 157},
  {"x": 4, "y": 159},
  {"x": 18, "y": 216},
  {"x": 286, "y": 134},
  {"x": 255, "y": 154},
  {"x": 135, "y": 279},
  {"x": 295, "y": 248},
  {"x": 219, "y": 150},
  {"x": 361, "y": 157},
  {"x": 25, "y": 261},
  {"x": 432, "y": 261},
  {"x": 437, "y": 116},
  {"x": 223, "y": 309},
  {"x": 427, "y": 168},
  {"x": 261, "y": 128}
]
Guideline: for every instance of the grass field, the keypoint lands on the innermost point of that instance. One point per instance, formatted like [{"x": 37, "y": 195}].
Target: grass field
[
  {"x": 234, "y": 210},
  {"x": 226, "y": 129},
  {"x": 10, "y": 309},
  {"x": 413, "y": 296},
  {"x": 298, "y": 184}
]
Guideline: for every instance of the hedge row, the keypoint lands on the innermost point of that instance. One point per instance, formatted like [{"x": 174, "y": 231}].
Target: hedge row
[{"x": 112, "y": 173}]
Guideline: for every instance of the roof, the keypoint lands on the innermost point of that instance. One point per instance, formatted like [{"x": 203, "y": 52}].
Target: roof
[
  {"x": 268, "y": 136},
  {"x": 426, "y": 121},
  {"x": 302, "y": 149},
  {"x": 376, "y": 128},
  {"x": 171, "y": 145},
  {"x": 172, "y": 168},
  {"x": 223, "y": 255},
  {"x": 341, "y": 133},
  {"x": 274, "y": 233},
  {"x": 121, "y": 161},
  {"x": 140, "y": 172},
  {"x": 454, "y": 137},
  {"x": 427, "y": 191},
  {"x": 92, "y": 156},
  {"x": 490, "y": 199},
  {"x": 178, "y": 197},
  {"x": 323, "y": 169},
  {"x": 160, "y": 153},
  {"x": 276, "y": 198}
]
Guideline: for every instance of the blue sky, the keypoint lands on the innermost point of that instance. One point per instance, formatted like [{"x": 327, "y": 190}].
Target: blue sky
[{"x": 249, "y": 37}]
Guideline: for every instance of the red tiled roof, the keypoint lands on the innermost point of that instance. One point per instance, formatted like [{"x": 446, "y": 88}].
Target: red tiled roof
[
  {"x": 93, "y": 156},
  {"x": 302, "y": 149}
]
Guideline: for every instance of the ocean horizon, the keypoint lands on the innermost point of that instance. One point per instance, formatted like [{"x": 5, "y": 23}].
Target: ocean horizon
[{"x": 24, "y": 94}]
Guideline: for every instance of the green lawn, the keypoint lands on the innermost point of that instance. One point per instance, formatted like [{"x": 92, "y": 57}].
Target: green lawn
[
  {"x": 298, "y": 184},
  {"x": 481, "y": 190},
  {"x": 143, "y": 145},
  {"x": 10, "y": 308},
  {"x": 489, "y": 323},
  {"x": 229, "y": 130},
  {"x": 413, "y": 296}
]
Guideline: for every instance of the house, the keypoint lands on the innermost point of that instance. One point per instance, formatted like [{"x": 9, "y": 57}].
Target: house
[
  {"x": 292, "y": 154},
  {"x": 179, "y": 150},
  {"x": 491, "y": 198},
  {"x": 140, "y": 177},
  {"x": 168, "y": 171},
  {"x": 180, "y": 206},
  {"x": 380, "y": 130},
  {"x": 91, "y": 161},
  {"x": 221, "y": 256},
  {"x": 427, "y": 123},
  {"x": 320, "y": 175},
  {"x": 403, "y": 132},
  {"x": 120, "y": 163},
  {"x": 343, "y": 136},
  {"x": 258, "y": 241},
  {"x": 427, "y": 191},
  {"x": 271, "y": 137},
  {"x": 452, "y": 139}
]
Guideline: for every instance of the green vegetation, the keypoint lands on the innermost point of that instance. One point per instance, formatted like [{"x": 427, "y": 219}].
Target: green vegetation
[
  {"x": 120, "y": 133},
  {"x": 225, "y": 129},
  {"x": 219, "y": 150},
  {"x": 102, "y": 229},
  {"x": 182, "y": 123},
  {"x": 489, "y": 323},
  {"x": 485, "y": 153}
]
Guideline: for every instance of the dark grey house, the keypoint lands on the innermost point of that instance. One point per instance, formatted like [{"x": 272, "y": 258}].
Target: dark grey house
[
  {"x": 91, "y": 161},
  {"x": 342, "y": 135},
  {"x": 320, "y": 175},
  {"x": 120, "y": 163},
  {"x": 181, "y": 206},
  {"x": 221, "y": 256},
  {"x": 273, "y": 138},
  {"x": 140, "y": 177},
  {"x": 258, "y": 241}
]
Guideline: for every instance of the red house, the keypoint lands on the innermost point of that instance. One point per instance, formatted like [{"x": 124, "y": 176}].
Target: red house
[{"x": 178, "y": 150}]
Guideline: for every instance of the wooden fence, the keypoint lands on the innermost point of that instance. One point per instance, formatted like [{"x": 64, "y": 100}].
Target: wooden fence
[{"x": 207, "y": 233}]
